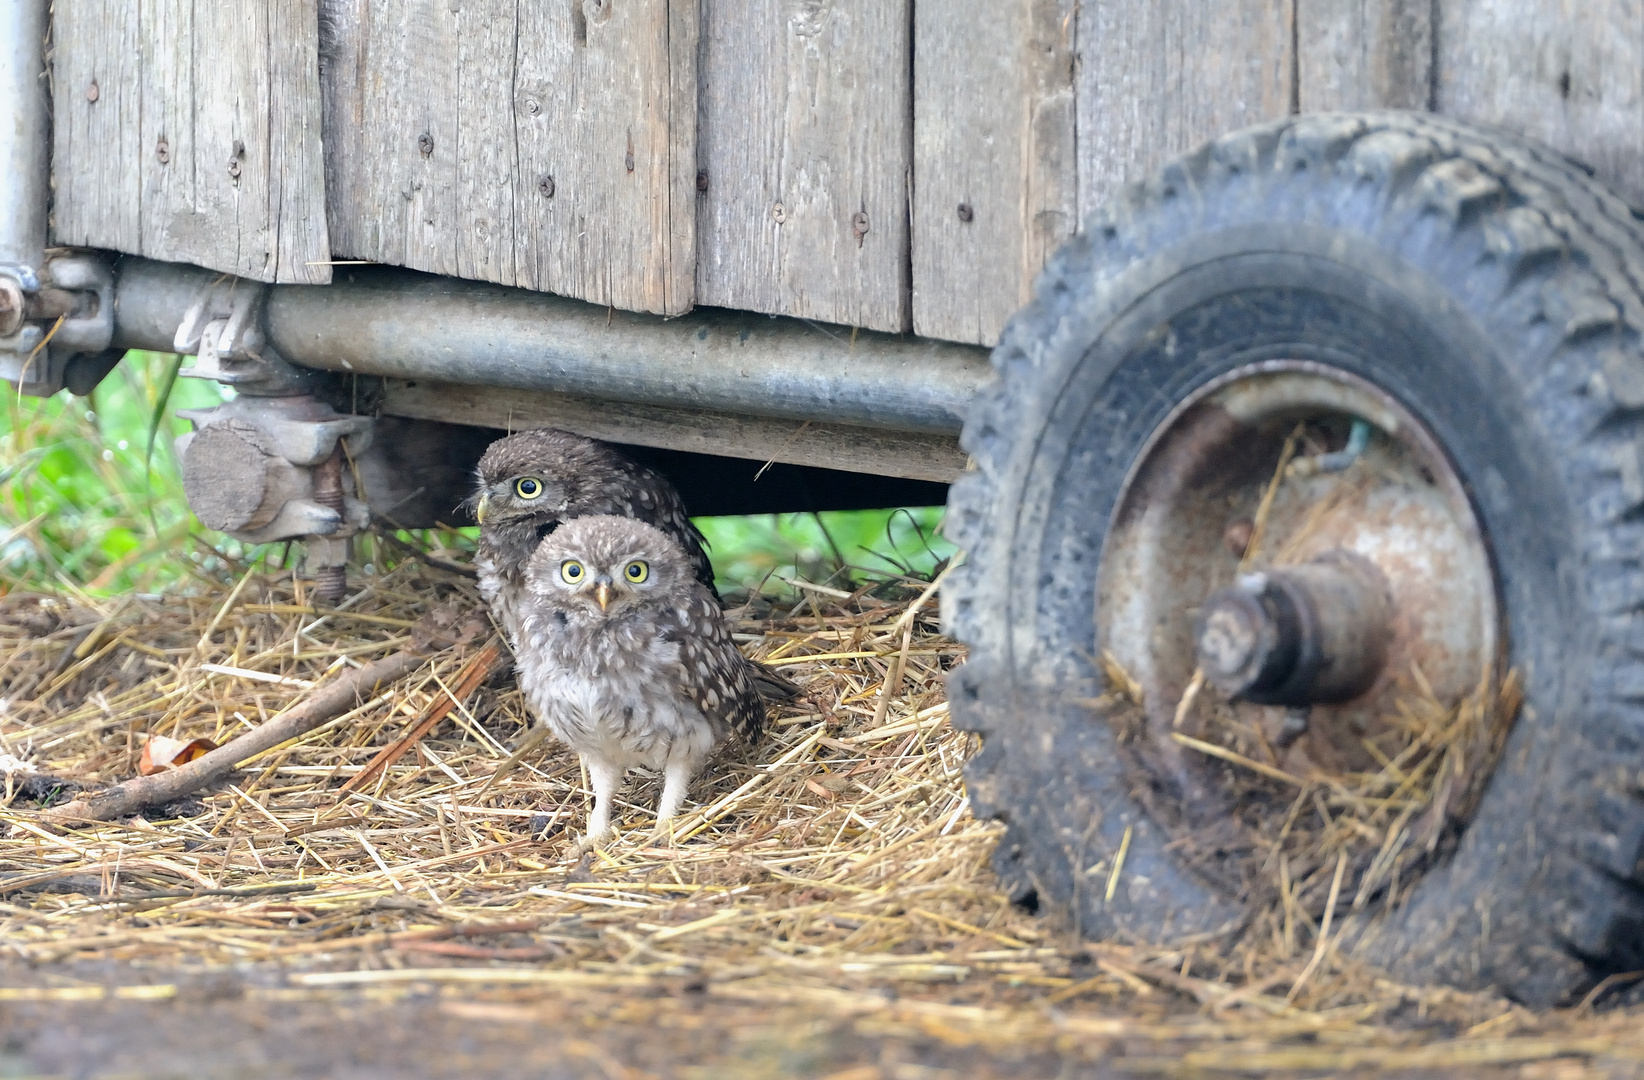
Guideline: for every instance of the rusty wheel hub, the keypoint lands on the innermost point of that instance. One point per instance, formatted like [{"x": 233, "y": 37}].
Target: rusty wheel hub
[{"x": 1365, "y": 574}]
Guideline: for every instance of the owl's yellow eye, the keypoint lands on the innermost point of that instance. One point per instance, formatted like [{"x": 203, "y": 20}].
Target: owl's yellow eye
[
  {"x": 637, "y": 571},
  {"x": 572, "y": 572},
  {"x": 528, "y": 487}
]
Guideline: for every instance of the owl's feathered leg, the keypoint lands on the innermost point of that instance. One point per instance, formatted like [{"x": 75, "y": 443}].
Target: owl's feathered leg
[
  {"x": 604, "y": 777},
  {"x": 676, "y": 780}
]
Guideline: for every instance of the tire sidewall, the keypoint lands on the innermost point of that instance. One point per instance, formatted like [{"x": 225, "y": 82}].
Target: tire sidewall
[{"x": 1415, "y": 314}]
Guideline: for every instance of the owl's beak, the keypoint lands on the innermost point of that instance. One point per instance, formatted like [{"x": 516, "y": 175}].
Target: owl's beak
[
  {"x": 481, "y": 507},
  {"x": 602, "y": 593}
]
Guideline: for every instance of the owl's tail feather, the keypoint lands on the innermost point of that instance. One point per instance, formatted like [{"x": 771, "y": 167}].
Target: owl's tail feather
[{"x": 772, "y": 687}]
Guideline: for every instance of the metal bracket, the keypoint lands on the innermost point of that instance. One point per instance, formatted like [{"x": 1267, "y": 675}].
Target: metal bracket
[
  {"x": 50, "y": 319},
  {"x": 223, "y": 327},
  {"x": 264, "y": 468}
]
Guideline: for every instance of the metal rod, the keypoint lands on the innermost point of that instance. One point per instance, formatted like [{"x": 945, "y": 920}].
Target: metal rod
[
  {"x": 25, "y": 132},
  {"x": 406, "y": 325}
]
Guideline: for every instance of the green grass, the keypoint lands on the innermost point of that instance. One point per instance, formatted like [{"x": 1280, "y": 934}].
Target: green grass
[{"x": 84, "y": 506}]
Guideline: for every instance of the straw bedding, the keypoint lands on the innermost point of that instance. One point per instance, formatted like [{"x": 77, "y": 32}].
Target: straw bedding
[{"x": 834, "y": 867}]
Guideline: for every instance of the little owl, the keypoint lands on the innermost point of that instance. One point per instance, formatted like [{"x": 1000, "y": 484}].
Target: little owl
[
  {"x": 533, "y": 480},
  {"x": 625, "y": 656}
]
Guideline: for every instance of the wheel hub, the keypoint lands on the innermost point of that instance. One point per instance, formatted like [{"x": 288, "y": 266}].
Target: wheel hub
[{"x": 1311, "y": 604}]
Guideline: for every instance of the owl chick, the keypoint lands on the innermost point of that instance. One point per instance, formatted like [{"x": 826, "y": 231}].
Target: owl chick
[
  {"x": 625, "y": 656},
  {"x": 531, "y": 481}
]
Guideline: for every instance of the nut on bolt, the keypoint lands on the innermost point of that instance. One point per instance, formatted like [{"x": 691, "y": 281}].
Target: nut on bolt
[
  {"x": 1298, "y": 635},
  {"x": 11, "y": 307}
]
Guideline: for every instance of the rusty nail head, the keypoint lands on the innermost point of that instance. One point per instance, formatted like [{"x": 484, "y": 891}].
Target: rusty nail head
[
  {"x": 92, "y": 92},
  {"x": 965, "y": 212},
  {"x": 702, "y": 180},
  {"x": 162, "y": 151},
  {"x": 546, "y": 186},
  {"x": 425, "y": 143}
]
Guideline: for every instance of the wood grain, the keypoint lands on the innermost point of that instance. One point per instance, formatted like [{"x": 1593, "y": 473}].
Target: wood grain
[
  {"x": 805, "y": 136},
  {"x": 1364, "y": 54},
  {"x": 995, "y": 180},
  {"x": 202, "y": 141},
  {"x": 606, "y": 107},
  {"x": 1159, "y": 78},
  {"x": 496, "y": 142},
  {"x": 829, "y": 446},
  {"x": 1567, "y": 72}
]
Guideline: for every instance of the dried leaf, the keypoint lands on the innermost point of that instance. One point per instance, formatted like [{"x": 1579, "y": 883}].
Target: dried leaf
[{"x": 161, "y": 753}]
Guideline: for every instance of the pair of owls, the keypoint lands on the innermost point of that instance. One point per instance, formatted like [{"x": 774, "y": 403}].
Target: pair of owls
[{"x": 598, "y": 578}]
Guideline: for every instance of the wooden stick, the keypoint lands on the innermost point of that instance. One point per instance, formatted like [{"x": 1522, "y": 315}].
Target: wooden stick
[
  {"x": 325, "y": 703},
  {"x": 475, "y": 671}
]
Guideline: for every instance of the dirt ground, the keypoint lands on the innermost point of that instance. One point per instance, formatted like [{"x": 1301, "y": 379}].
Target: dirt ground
[{"x": 824, "y": 909}]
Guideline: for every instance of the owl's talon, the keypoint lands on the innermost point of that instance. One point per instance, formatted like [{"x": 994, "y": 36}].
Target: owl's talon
[{"x": 592, "y": 841}]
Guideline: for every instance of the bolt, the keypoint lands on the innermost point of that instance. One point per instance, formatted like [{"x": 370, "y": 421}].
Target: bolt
[
  {"x": 1298, "y": 635},
  {"x": 546, "y": 187},
  {"x": 92, "y": 91},
  {"x": 702, "y": 180},
  {"x": 330, "y": 582},
  {"x": 425, "y": 143},
  {"x": 965, "y": 212},
  {"x": 11, "y": 307},
  {"x": 1240, "y": 641},
  {"x": 162, "y": 151}
]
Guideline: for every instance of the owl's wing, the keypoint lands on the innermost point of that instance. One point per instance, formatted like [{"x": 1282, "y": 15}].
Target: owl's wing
[
  {"x": 667, "y": 512},
  {"x": 648, "y": 495},
  {"x": 715, "y": 675}
]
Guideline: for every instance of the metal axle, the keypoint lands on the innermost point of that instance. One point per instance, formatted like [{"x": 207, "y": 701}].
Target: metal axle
[{"x": 1298, "y": 635}]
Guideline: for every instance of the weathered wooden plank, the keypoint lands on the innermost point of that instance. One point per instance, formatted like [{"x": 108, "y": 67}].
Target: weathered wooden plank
[
  {"x": 805, "y": 137},
  {"x": 208, "y": 148},
  {"x": 97, "y": 98},
  {"x": 1567, "y": 72},
  {"x": 830, "y": 446},
  {"x": 1159, "y": 78},
  {"x": 533, "y": 145},
  {"x": 995, "y": 183},
  {"x": 605, "y": 119},
  {"x": 1364, "y": 54}
]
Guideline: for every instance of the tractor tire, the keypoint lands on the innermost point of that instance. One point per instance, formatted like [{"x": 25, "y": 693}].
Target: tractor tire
[{"x": 1492, "y": 288}]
